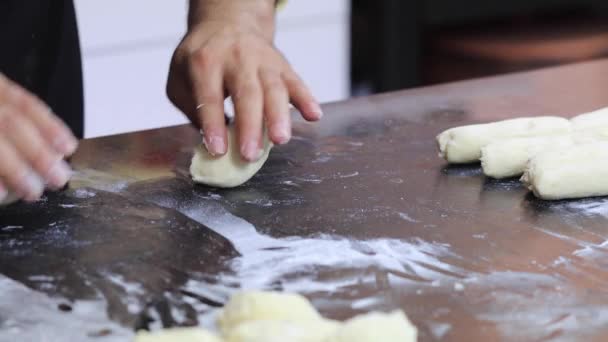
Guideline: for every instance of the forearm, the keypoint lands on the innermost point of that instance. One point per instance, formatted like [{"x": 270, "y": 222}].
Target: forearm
[{"x": 251, "y": 14}]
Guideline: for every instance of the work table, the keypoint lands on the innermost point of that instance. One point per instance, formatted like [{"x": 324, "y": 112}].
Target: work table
[{"x": 357, "y": 213}]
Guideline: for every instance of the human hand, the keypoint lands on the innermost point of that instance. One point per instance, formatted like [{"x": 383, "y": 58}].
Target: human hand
[
  {"x": 33, "y": 143},
  {"x": 234, "y": 55}
]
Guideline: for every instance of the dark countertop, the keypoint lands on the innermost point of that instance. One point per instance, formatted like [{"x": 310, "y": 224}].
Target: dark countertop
[{"x": 358, "y": 213}]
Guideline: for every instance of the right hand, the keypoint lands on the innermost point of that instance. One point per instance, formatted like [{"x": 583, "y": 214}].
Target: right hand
[
  {"x": 33, "y": 144},
  {"x": 228, "y": 50}
]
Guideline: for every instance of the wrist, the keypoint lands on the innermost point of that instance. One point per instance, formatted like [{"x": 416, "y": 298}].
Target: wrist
[{"x": 249, "y": 15}]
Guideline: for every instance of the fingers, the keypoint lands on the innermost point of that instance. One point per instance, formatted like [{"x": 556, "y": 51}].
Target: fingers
[
  {"x": 301, "y": 97},
  {"x": 17, "y": 175},
  {"x": 3, "y": 192},
  {"x": 208, "y": 88},
  {"x": 210, "y": 62},
  {"x": 247, "y": 96},
  {"x": 33, "y": 143},
  {"x": 276, "y": 107},
  {"x": 52, "y": 129},
  {"x": 30, "y": 145}
]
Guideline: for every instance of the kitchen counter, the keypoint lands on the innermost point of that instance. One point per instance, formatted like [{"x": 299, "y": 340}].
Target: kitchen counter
[{"x": 357, "y": 213}]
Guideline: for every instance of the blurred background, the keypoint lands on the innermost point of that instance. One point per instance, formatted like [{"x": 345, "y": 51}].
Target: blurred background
[{"x": 342, "y": 48}]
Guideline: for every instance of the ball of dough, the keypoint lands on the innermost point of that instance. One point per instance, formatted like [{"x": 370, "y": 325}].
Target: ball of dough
[
  {"x": 256, "y": 305},
  {"x": 177, "y": 334},
  {"x": 375, "y": 327},
  {"x": 283, "y": 330},
  {"x": 229, "y": 170}
]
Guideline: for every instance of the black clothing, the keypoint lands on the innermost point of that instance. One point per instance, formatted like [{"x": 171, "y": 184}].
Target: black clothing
[{"x": 39, "y": 49}]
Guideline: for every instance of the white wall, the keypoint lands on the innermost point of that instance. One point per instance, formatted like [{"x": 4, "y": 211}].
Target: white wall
[{"x": 127, "y": 46}]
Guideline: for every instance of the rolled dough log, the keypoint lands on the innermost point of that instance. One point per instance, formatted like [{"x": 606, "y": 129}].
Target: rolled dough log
[
  {"x": 177, "y": 334},
  {"x": 256, "y": 305},
  {"x": 592, "y": 121},
  {"x": 229, "y": 170},
  {"x": 463, "y": 144},
  {"x": 509, "y": 158},
  {"x": 282, "y": 331},
  {"x": 375, "y": 327},
  {"x": 575, "y": 172}
]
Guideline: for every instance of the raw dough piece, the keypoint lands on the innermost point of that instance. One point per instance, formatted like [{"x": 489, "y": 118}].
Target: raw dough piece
[
  {"x": 177, "y": 335},
  {"x": 509, "y": 158},
  {"x": 11, "y": 198},
  {"x": 592, "y": 121},
  {"x": 253, "y": 306},
  {"x": 283, "y": 330},
  {"x": 374, "y": 327},
  {"x": 229, "y": 170},
  {"x": 589, "y": 136},
  {"x": 463, "y": 144},
  {"x": 278, "y": 317},
  {"x": 574, "y": 172}
]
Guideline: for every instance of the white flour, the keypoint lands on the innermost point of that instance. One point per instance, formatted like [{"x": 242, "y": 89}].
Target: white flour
[
  {"x": 589, "y": 207},
  {"x": 266, "y": 260},
  {"x": 334, "y": 265},
  {"x": 30, "y": 316}
]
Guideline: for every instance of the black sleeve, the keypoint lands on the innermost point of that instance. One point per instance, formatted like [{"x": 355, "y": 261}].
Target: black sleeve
[{"x": 42, "y": 53}]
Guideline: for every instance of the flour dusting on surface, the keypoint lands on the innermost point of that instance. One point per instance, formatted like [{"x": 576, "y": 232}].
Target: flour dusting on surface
[{"x": 30, "y": 316}]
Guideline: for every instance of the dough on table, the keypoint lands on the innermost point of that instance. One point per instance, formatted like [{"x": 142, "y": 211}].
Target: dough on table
[
  {"x": 463, "y": 144},
  {"x": 177, "y": 335},
  {"x": 574, "y": 172},
  {"x": 229, "y": 170},
  {"x": 257, "y": 316},
  {"x": 509, "y": 158},
  {"x": 373, "y": 327},
  {"x": 317, "y": 330},
  {"x": 592, "y": 121},
  {"x": 257, "y": 305}
]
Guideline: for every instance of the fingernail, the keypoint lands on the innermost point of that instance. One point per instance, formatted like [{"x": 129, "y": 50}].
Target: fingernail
[
  {"x": 32, "y": 187},
  {"x": 315, "y": 108},
  {"x": 215, "y": 145},
  {"x": 282, "y": 133},
  {"x": 59, "y": 174},
  {"x": 251, "y": 151},
  {"x": 3, "y": 193},
  {"x": 66, "y": 145}
]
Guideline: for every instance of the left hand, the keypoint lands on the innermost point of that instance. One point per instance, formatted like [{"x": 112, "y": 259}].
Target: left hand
[{"x": 221, "y": 57}]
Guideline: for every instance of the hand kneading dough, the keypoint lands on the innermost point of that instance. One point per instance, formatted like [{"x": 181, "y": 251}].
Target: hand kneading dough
[
  {"x": 509, "y": 158},
  {"x": 177, "y": 335},
  {"x": 463, "y": 144},
  {"x": 229, "y": 170},
  {"x": 254, "y": 306},
  {"x": 283, "y": 331},
  {"x": 575, "y": 172},
  {"x": 374, "y": 327}
]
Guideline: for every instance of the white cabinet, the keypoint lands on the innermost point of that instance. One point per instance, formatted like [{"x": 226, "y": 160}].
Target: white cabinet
[{"x": 127, "y": 46}]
